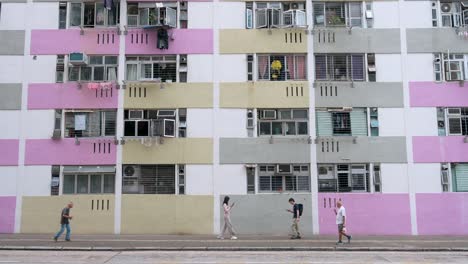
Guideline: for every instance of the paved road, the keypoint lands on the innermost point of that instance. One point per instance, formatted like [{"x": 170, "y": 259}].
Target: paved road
[{"x": 164, "y": 257}]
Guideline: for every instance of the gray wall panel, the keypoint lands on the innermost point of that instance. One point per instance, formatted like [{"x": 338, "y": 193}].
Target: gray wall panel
[
  {"x": 428, "y": 40},
  {"x": 12, "y": 42},
  {"x": 357, "y": 40},
  {"x": 366, "y": 149},
  {"x": 260, "y": 150},
  {"x": 359, "y": 94},
  {"x": 266, "y": 214},
  {"x": 10, "y": 96}
]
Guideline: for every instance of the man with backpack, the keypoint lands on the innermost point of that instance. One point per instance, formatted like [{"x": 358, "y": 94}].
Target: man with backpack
[{"x": 297, "y": 213}]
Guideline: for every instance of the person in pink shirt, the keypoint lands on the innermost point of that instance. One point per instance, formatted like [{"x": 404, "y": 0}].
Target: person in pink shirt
[{"x": 227, "y": 219}]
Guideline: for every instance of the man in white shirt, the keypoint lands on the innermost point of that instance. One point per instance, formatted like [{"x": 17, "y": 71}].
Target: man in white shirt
[{"x": 341, "y": 222}]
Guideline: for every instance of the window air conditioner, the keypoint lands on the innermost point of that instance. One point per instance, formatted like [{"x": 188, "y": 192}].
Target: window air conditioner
[
  {"x": 166, "y": 113},
  {"x": 284, "y": 168},
  {"x": 326, "y": 172},
  {"x": 268, "y": 114},
  {"x": 78, "y": 58},
  {"x": 131, "y": 171},
  {"x": 135, "y": 114}
]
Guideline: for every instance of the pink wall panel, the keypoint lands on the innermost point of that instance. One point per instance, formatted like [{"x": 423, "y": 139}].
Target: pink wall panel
[
  {"x": 9, "y": 152},
  {"x": 368, "y": 214},
  {"x": 66, "y": 152},
  {"x": 185, "y": 41},
  {"x": 442, "y": 214},
  {"x": 7, "y": 215},
  {"x": 440, "y": 149},
  {"x": 65, "y": 41},
  {"x": 438, "y": 94},
  {"x": 68, "y": 96}
]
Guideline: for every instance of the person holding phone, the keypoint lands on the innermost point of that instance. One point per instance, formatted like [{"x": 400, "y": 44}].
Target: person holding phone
[{"x": 227, "y": 219}]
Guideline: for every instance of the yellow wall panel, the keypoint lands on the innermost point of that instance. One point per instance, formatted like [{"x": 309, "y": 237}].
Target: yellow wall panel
[
  {"x": 42, "y": 214},
  {"x": 170, "y": 151},
  {"x": 167, "y": 214},
  {"x": 264, "y": 95}
]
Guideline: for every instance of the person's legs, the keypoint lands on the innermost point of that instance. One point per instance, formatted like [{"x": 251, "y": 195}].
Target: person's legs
[
  {"x": 60, "y": 232},
  {"x": 294, "y": 229},
  {"x": 229, "y": 226},
  {"x": 340, "y": 235},
  {"x": 67, "y": 235}
]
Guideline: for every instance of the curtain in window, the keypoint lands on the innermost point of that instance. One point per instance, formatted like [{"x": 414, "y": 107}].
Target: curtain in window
[
  {"x": 301, "y": 67},
  {"x": 263, "y": 68},
  {"x": 112, "y": 74},
  {"x": 100, "y": 14},
  {"x": 132, "y": 72},
  {"x": 291, "y": 72}
]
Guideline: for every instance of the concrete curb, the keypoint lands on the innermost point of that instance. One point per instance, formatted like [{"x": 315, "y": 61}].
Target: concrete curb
[{"x": 348, "y": 249}]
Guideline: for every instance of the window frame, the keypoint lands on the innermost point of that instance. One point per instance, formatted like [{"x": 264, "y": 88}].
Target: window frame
[
  {"x": 322, "y": 8},
  {"x": 93, "y": 66},
  {"x": 103, "y": 129},
  {"x": 89, "y": 176},
  {"x": 158, "y": 12},
  {"x": 272, "y": 174},
  {"x": 96, "y": 4},
  {"x": 346, "y": 169},
  {"x": 139, "y": 61},
  {"x": 330, "y": 65},
  {"x": 284, "y": 67},
  {"x": 284, "y": 122}
]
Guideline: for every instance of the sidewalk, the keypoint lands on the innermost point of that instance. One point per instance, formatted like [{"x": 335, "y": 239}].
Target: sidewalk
[{"x": 245, "y": 243}]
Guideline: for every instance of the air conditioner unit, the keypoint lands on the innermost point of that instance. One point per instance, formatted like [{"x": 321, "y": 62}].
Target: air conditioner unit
[
  {"x": 166, "y": 113},
  {"x": 326, "y": 172},
  {"x": 78, "y": 58},
  {"x": 268, "y": 114},
  {"x": 369, "y": 14},
  {"x": 131, "y": 171},
  {"x": 135, "y": 114},
  {"x": 283, "y": 168},
  {"x": 446, "y": 7},
  {"x": 294, "y": 6}
]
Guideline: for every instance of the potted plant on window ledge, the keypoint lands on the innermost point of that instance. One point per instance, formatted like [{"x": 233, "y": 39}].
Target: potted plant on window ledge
[{"x": 276, "y": 67}]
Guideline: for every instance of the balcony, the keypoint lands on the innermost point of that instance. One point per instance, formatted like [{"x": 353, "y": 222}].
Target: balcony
[
  {"x": 358, "y": 94},
  {"x": 69, "y": 151},
  {"x": 356, "y": 40},
  {"x": 71, "y": 95},
  {"x": 433, "y": 94},
  {"x": 90, "y": 41},
  {"x": 266, "y": 94},
  {"x": 167, "y": 151},
  {"x": 360, "y": 149},
  {"x": 429, "y": 40},
  {"x": 9, "y": 150},
  {"x": 181, "y": 41},
  {"x": 146, "y": 95},
  {"x": 432, "y": 149}
]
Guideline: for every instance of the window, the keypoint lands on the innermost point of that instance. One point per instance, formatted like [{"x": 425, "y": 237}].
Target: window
[
  {"x": 338, "y": 14},
  {"x": 342, "y": 122},
  {"x": 181, "y": 179},
  {"x": 339, "y": 67},
  {"x": 90, "y": 123},
  {"x": 343, "y": 178},
  {"x": 377, "y": 178},
  {"x": 99, "y": 68},
  {"x": 182, "y": 122},
  {"x": 460, "y": 177},
  {"x": 62, "y": 15},
  {"x": 450, "y": 67},
  {"x": 282, "y": 67},
  {"x": 457, "y": 121},
  {"x": 275, "y": 14},
  {"x": 371, "y": 69},
  {"x": 250, "y": 171},
  {"x": 283, "y": 122},
  {"x": 374, "y": 122},
  {"x": 149, "y": 14},
  {"x": 55, "y": 181},
  {"x": 250, "y": 66},
  {"x": 152, "y": 123},
  {"x": 60, "y": 69},
  {"x": 161, "y": 68},
  {"x": 452, "y": 14},
  {"x": 273, "y": 179},
  {"x": 90, "y": 15},
  {"x": 149, "y": 179},
  {"x": 444, "y": 177},
  {"x": 88, "y": 180}
]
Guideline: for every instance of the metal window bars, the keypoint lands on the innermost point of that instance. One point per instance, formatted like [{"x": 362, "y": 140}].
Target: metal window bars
[
  {"x": 339, "y": 67},
  {"x": 343, "y": 178},
  {"x": 150, "y": 179}
]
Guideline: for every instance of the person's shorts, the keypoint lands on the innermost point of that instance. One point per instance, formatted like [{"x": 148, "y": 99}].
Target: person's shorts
[{"x": 340, "y": 227}]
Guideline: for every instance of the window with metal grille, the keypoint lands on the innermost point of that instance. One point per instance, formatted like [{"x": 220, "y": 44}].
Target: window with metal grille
[
  {"x": 343, "y": 178},
  {"x": 99, "y": 68},
  {"x": 338, "y": 14},
  {"x": 283, "y": 122},
  {"x": 250, "y": 172},
  {"x": 150, "y": 179},
  {"x": 284, "y": 178},
  {"x": 181, "y": 179},
  {"x": 460, "y": 177},
  {"x": 444, "y": 177},
  {"x": 90, "y": 15},
  {"x": 339, "y": 67},
  {"x": 158, "y": 68},
  {"x": 62, "y": 15},
  {"x": 457, "y": 121},
  {"x": 60, "y": 69},
  {"x": 275, "y": 14},
  {"x": 282, "y": 67},
  {"x": 150, "y": 14},
  {"x": 55, "y": 181},
  {"x": 341, "y": 124},
  {"x": 450, "y": 67},
  {"x": 88, "y": 123},
  {"x": 452, "y": 14},
  {"x": 88, "y": 183}
]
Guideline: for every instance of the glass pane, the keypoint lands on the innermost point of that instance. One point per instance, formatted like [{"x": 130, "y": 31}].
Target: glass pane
[
  {"x": 112, "y": 17},
  {"x": 291, "y": 184},
  {"x": 110, "y": 60},
  {"x": 146, "y": 71},
  {"x": 82, "y": 184},
  {"x": 100, "y": 14},
  {"x": 303, "y": 183},
  {"x": 85, "y": 74},
  {"x": 265, "y": 128},
  {"x": 89, "y": 15},
  {"x": 143, "y": 129},
  {"x": 109, "y": 183},
  {"x": 75, "y": 15},
  {"x": 99, "y": 73},
  {"x": 285, "y": 114},
  {"x": 129, "y": 129},
  {"x": 290, "y": 128},
  {"x": 300, "y": 114},
  {"x": 132, "y": 9},
  {"x": 277, "y": 128},
  {"x": 276, "y": 183},
  {"x": 265, "y": 184},
  {"x": 302, "y": 128},
  {"x": 96, "y": 183},
  {"x": 96, "y": 60},
  {"x": 144, "y": 16},
  {"x": 74, "y": 74},
  {"x": 132, "y": 72},
  {"x": 68, "y": 184}
]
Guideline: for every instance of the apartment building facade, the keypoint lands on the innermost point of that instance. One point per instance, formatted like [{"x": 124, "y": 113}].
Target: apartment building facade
[{"x": 146, "y": 114}]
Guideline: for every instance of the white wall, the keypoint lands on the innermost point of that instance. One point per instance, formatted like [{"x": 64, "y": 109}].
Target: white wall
[
  {"x": 11, "y": 69},
  {"x": 416, "y": 14},
  {"x": 230, "y": 15},
  {"x": 231, "y": 179},
  {"x": 45, "y": 15},
  {"x": 388, "y": 67},
  {"x": 37, "y": 180},
  {"x": 385, "y": 14},
  {"x": 425, "y": 177},
  {"x": 12, "y": 16},
  {"x": 42, "y": 69},
  {"x": 394, "y": 178},
  {"x": 200, "y": 123},
  {"x": 200, "y": 15},
  {"x": 199, "y": 179},
  {"x": 422, "y": 121},
  {"x": 391, "y": 122},
  {"x": 10, "y": 120},
  {"x": 39, "y": 124},
  {"x": 200, "y": 68},
  {"x": 420, "y": 67},
  {"x": 234, "y": 68},
  {"x": 8, "y": 179},
  {"x": 232, "y": 123}
]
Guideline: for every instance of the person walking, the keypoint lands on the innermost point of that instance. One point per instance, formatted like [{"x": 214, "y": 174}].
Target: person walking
[
  {"x": 341, "y": 222},
  {"x": 227, "y": 219},
  {"x": 65, "y": 218},
  {"x": 297, "y": 212}
]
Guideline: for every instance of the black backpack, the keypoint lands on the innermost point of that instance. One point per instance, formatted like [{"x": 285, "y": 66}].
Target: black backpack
[{"x": 301, "y": 208}]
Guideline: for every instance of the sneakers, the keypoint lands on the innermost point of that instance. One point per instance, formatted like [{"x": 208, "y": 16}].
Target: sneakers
[
  {"x": 233, "y": 238},
  {"x": 339, "y": 243},
  {"x": 349, "y": 239}
]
